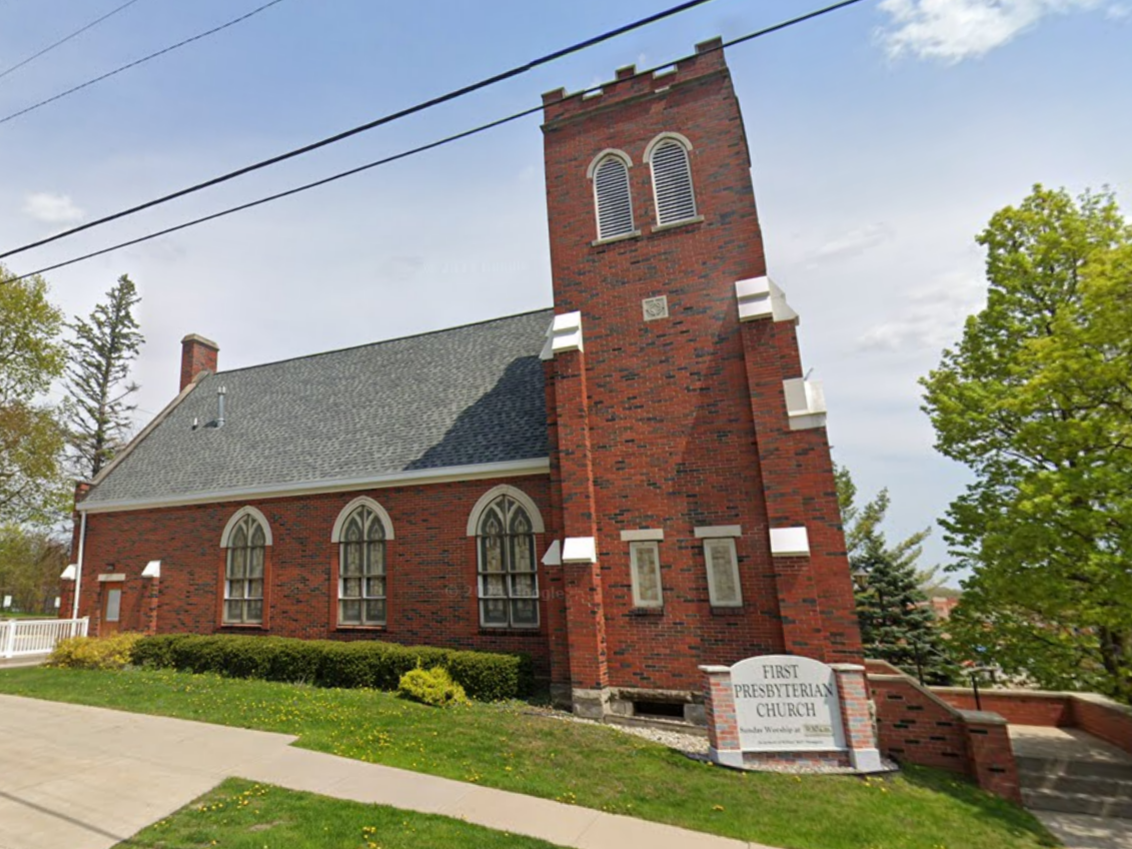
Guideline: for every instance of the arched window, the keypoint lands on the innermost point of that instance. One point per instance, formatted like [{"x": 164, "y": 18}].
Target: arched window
[
  {"x": 246, "y": 539},
  {"x": 508, "y": 580},
  {"x": 361, "y": 539},
  {"x": 671, "y": 180},
  {"x": 612, "y": 199}
]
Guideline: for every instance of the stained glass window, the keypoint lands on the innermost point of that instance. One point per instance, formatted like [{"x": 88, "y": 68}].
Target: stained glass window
[
  {"x": 244, "y": 574},
  {"x": 508, "y": 573},
  {"x": 361, "y": 569},
  {"x": 644, "y": 562}
]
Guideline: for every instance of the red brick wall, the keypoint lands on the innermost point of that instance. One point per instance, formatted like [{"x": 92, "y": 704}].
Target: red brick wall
[
  {"x": 1050, "y": 709},
  {"x": 196, "y": 356},
  {"x": 431, "y": 567},
  {"x": 669, "y": 408},
  {"x": 1110, "y": 721},
  {"x": 915, "y": 727}
]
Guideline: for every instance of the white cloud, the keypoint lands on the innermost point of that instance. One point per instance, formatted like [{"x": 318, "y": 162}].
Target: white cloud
[
  {"x": 931, "y": 318},
  {"x": 52, "y": 209},
  {"x": 953, "y": 30},
  {"x": 853, "y": 243}
]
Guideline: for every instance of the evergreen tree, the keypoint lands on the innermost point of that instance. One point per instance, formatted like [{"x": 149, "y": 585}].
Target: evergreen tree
[
  {"x": 101, "y": 354},
  {"x": 897, "y": 621}
]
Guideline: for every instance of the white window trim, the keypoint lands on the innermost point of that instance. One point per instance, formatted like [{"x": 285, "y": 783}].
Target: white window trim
[
  {"x": 532, "y": 513},
  {"x": 525, "y": 500},
  {"x": 715, "y": 602},
  {"x": 634, "y": 548},
  {"x": 609, "y": 151},
  {"x": 225, "y": 537},
  {"x": 361, "y": 501},
  {"x": 649, "y": 150}
]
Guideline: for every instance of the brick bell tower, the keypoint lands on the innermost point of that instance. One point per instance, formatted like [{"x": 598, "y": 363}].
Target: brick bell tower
[{"x": 691, "y": 477}]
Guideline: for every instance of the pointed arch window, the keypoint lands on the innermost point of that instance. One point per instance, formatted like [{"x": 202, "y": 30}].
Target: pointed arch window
[
  {"x": 244, "y": 571},
  {"x": 612, "y": 198},
  {"x": 361, "y": 538},
  {"x": 508, "y": 577},
  {"x": 671, "y": 180}
]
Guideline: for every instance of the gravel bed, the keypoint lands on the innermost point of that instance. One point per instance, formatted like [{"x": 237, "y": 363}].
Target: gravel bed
[{"x": 695, "y": 746}]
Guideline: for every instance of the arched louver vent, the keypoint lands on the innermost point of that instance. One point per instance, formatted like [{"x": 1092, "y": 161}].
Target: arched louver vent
[
  {"x": 672, "y": 182},
  {"x": 614, "y": 204}
]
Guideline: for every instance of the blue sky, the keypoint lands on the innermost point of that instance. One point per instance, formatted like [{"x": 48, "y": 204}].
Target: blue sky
[{"x": 883, "y": 138}]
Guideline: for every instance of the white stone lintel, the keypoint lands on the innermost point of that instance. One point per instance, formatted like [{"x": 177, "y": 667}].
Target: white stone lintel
[
  {"x": 715, "y": 670},
  {"x": 579, "y": 550},
  {"x": 116, "y": 577},
  {"x": 805, "y": 403},
  {"x": 643, "y": 535},
  {"x": 760, "y": 297},
  {"x": 553, "y": 556},
  {"x": 152, "y": 569},
  {"x": 717, "y": 531},
  {"x": 564, "y": 334},
  {"x": 789, "y": 542}
]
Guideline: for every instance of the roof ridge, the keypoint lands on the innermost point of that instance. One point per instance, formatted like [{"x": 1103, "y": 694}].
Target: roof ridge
[{"x": 380, "y": 342}]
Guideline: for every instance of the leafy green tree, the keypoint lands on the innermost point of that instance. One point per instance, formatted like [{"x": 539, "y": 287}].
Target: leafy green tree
[
  {"x": 897, "y": 622},
  {"x": 1036, "y": 400},
  {"x": 30, "y": 563},
  {"x": 31, "y": 439},
  {"x": 102, "y": 351}
]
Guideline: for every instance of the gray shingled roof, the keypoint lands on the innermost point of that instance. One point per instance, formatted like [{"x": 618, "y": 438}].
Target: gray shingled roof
[{"x": 456, "y": 397}]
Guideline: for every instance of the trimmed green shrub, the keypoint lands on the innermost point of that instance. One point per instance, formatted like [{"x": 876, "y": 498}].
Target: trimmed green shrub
[
  {"x": 94, "y": 652},
  {"x": 432, "y": 687},
  {"x": 486, "y": 676}
]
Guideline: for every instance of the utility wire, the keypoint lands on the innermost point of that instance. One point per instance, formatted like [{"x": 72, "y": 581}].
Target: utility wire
[
  {"x": 422, "y": 148},
  {"x": 140, "y": 61},
  {"x": 385, "y": 119},
  {"x": 64, "y": 40}
]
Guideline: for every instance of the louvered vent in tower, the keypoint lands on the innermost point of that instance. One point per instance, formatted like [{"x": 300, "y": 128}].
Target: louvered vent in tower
[
  {"x": 672, "y": 182},
  {"x": 611, "y": 193}
]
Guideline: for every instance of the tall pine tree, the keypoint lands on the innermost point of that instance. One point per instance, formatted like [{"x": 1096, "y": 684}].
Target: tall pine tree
[
  {"x": 101, "y": 354},
  {"x": 897, "y": 622}
]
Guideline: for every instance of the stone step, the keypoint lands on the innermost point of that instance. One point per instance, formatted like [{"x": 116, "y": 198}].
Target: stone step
[
  {"x": 1089, "y": 785},
  {"x": 1064, "y": 766},
  {"x": 1077, "y": 803}
]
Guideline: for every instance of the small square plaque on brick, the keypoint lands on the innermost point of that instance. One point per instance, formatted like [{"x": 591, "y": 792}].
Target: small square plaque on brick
[{"x": 655, "y": 308}]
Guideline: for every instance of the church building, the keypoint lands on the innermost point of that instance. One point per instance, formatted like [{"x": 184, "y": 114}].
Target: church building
[{"x": 624, "y": 486}]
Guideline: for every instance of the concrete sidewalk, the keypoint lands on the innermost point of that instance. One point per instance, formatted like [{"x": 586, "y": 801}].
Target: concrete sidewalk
[{"x": 87, "y": 778}]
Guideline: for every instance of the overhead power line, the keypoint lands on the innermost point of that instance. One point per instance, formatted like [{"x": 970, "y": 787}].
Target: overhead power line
[
  {"x": 140, "y": 61},
  {"x": 420, "y": 149},
  {"x": 65, "y": 39},
  {"x": 377, "y": 122}
]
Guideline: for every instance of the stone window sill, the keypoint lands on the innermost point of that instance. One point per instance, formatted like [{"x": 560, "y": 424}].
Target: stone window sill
[
  {"x": 511, "y": 632},
  {"x": 660, "y": 228},
  {"x": 361, "y": 627},
  {"x": 636, "y": 234},
  {"x": 243, "y": 626}
]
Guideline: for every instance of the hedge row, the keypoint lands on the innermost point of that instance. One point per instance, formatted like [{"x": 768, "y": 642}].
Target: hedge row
[{"x": 326, "y": 663}]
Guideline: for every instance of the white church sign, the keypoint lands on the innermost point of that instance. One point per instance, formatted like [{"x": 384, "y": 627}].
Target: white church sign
[{"x": 786, "y": 703}]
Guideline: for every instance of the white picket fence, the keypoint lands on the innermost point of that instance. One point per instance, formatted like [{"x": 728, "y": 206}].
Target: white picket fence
[{"x": 21, "y": 637}]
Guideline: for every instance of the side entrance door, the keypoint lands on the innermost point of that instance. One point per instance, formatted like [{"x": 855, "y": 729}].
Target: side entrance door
[{"x": 111, "y": 609}]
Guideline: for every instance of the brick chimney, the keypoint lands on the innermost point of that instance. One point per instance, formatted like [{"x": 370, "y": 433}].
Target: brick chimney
[{"x": 197, "y": 355}]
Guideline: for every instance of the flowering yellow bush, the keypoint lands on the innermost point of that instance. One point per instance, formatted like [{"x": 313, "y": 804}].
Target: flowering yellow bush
[
  {"x": 94, "y": 652},
  {"x": 432, "y": 687}
]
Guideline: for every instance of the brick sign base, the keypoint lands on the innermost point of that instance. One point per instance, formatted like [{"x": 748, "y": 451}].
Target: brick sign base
[{"x": 858, "y": 754}]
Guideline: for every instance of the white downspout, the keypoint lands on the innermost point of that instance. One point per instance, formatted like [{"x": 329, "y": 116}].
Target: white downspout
[{"x": 79, "y": 568}]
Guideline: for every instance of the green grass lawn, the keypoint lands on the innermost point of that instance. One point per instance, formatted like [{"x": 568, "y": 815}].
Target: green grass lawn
[
  {"x": 512, "y": 747},
  {"x": 241, "y": 815}
]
